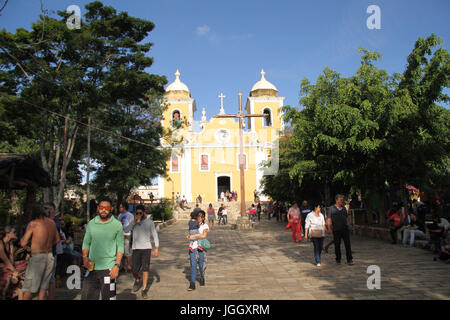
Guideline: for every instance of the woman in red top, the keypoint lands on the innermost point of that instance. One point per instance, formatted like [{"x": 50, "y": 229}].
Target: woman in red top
[
  {"x": 396, "y": 221},
  {"x": 295, "y": 223}
]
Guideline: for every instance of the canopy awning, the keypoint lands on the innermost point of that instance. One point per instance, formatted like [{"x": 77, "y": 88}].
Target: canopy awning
[{"x": 19, "y": 171}]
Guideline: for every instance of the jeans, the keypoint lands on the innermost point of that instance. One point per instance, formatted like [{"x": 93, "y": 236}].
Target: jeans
[
  {"x": 201, "y": 258},
  {"x": 220, "y": 219},
  {"x": 344, "y": 235},
  {"x": 412, "y": 234},
  {"x": 318, "y": 246},
  {"x": 224, "y": 219}
]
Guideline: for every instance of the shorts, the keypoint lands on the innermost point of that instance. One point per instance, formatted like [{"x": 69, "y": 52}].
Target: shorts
[
  {"x": 140, "y": 260},
  {"x": 210, "y": 217},
  {"x": 126, "y": 247},
  {"x": 39, "y": 270},
  {"x": 99, "y": 281}
]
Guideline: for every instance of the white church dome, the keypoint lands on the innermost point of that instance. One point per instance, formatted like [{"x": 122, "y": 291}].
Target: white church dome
[
  {"x": 263, "y": 86},
  {"x": 177, "y": 85}
]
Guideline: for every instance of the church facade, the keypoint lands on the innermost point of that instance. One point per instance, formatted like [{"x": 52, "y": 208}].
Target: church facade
[{"x": 205, "y": 154}]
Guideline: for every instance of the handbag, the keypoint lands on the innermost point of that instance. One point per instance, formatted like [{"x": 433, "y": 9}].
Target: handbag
[
  {"x": 316, "y": 234},
  {"x": 204, "y": 243}
]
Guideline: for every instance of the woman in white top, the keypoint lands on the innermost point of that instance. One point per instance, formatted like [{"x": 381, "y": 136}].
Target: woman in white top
[
  {"x": 197, "y": 255},
  {"x": 315, "y": 229}
]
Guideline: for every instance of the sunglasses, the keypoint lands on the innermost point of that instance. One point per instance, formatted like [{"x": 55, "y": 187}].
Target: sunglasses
[
  {"x": 103, "y": 208},
  {"x": 47, "y": 208}
]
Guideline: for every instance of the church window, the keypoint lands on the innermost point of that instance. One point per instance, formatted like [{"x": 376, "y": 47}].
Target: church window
[
  {"x": 204, "y": 162},
  {"x": 176, "y": 119},
  {"x": 267, "y": 121},
  {"x": 174, "y": 164}
]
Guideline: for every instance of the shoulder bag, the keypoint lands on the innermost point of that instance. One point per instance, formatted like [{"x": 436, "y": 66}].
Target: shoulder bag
[
  {"x": 316, "y": 234},
  {"x": 204, "y": 243}
]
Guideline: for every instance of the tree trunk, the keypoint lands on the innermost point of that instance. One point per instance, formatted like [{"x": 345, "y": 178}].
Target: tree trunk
[{"x": 327, "y": 194}]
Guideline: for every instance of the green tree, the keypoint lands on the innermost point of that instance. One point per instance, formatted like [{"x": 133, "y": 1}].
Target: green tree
[
  {"x": 354, "y": 133},
  {"x": 54, "y": 72}
]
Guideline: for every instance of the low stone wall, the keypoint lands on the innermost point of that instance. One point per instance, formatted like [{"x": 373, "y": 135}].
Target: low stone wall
[
  {"x": 161, "y": 225},
  {"x": 372, "y": 232}
]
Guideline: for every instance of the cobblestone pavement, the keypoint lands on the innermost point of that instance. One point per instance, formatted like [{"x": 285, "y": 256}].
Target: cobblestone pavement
[{"x": 265, "y": 264}]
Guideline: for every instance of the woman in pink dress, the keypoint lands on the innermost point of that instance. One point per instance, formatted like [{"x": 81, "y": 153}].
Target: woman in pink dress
[{"x": 295, "y": 223}]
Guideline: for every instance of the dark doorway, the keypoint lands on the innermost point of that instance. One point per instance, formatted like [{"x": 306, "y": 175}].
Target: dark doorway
[{"x": 223, "y": 185}]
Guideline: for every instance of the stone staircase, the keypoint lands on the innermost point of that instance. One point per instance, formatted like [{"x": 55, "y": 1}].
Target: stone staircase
[{"x": 233, "y": 210}]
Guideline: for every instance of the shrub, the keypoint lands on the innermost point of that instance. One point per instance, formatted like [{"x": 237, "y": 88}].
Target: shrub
[{"x": 161, "y": 211}]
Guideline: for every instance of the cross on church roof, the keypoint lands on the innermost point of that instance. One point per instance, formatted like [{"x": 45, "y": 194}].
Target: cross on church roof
[
  {"x": 262, "y": 73},
  {"x": 222, "y": 110},
  {"x": 221, "y": 99}
]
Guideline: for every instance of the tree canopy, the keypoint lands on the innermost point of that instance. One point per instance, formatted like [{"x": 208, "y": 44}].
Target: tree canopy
[
  {"x": 51, "y": 74},
  {"x": 360, "y": 131}
]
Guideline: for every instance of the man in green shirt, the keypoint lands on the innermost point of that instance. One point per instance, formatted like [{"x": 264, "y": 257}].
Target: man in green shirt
[{"x": 103, "y": 243}]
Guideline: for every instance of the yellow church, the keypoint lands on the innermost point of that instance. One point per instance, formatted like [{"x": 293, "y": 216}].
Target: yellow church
[{"x": 205, "y": 158}]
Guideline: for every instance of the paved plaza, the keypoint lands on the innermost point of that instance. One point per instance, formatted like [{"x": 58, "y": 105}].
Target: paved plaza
[{"x": 265, "y": 264}]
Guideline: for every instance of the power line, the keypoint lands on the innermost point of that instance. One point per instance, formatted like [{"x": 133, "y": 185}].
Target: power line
[{"x": 86, "y": 125}]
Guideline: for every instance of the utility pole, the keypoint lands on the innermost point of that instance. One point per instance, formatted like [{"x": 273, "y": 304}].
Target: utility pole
[{"x": 88, "y": 200}]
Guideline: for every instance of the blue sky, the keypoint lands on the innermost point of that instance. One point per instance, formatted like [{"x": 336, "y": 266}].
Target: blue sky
[{"x": 221, "y": 46}]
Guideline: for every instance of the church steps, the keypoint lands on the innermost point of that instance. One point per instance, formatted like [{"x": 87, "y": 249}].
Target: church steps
[{"x": 233, "y": 209}]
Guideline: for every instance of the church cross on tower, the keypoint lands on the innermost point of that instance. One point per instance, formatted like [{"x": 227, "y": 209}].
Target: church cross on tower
[
  {"x": 222, "y": 110},
  {"x": 221, "y": 99}
]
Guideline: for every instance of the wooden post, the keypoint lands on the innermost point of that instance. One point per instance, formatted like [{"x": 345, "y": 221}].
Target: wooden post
[
  {"x": 63, "y": 170},
  {"x": 241, "y": 159}
]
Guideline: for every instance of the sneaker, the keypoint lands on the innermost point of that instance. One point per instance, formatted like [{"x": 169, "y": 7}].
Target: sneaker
[
  {"x": 136, "y": 285},
  {"x": 350, "y": 263},
  {"x": 318, "y": 264},
  {"x": 191, "y": 286},
  {"x": 202, "y": 282},
  {"x": 144, "y": 294}
]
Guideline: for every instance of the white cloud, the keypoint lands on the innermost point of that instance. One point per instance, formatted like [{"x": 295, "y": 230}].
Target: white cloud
[{"x": 202, "y": 30}]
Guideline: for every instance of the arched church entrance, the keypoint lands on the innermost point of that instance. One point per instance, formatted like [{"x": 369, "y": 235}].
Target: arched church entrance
[{"x": 223, "y": 185}]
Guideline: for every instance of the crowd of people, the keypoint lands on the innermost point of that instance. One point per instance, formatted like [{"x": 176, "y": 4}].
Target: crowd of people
[
  {"x": 33, "y": 264},
  {"x": 124, "y": 244},
  {"x": 411, "y": 223}
]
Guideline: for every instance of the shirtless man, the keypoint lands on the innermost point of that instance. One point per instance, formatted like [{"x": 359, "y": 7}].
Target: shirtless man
[{"x": 42, "y": 232}]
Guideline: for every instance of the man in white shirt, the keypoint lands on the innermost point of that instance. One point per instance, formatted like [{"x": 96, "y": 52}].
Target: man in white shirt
[{"x": 125, "y": 218}]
